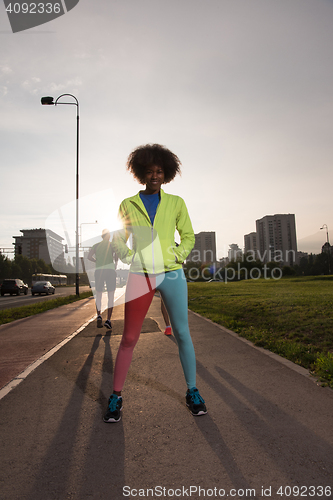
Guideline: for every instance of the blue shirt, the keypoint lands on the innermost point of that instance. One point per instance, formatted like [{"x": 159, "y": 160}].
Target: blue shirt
[{"x": 150, "y": 202}]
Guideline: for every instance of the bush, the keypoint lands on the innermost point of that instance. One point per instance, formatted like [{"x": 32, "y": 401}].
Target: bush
[{"x": 324, "y": 367}]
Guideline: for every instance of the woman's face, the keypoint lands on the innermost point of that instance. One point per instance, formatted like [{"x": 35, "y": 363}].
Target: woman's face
[{"x": 154, "y": 178}]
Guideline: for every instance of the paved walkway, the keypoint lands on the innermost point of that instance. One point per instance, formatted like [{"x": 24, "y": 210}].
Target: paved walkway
[{"x": 268, "y": 427}]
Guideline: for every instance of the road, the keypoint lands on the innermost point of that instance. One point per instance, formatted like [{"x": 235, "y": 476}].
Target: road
[{"x": 8, "y": 301}]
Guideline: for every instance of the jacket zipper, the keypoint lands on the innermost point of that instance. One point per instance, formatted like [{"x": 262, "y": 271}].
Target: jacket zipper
[
  {"x": 152, "y": 232},
  {"x": 152, "y": 247},
  {"x": 152, "y": 235}
]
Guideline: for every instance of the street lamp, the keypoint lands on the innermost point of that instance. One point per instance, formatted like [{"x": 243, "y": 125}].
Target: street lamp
[
  {"x": 325, "y": 226},
  {"x": 49, "y": 101},
  {"x": 328, "y": 248}
]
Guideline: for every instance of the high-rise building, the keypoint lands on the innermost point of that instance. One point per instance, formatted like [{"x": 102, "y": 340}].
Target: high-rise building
[
  {"x": 40, "y": 244},
  {"x": 234, "y": 253},
  {"x": 250, "y": 244},
  {"x": 276, "y": 239},
  {"x": 204, "y": 249}
]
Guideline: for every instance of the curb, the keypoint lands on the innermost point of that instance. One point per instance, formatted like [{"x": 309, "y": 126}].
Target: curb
[
  {"x": 286, "y": 362},
  {"x": 23, "y": 375}
]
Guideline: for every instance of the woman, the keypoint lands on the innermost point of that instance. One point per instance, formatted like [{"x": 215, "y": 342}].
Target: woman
[{"x": 150, "y": 219}]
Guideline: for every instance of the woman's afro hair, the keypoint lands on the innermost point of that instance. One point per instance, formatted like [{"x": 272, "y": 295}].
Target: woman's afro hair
[{"x": 151, "y": 155}]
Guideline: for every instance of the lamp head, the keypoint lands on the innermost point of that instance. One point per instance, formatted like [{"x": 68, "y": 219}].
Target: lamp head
[{"x": 47, "y": 101}]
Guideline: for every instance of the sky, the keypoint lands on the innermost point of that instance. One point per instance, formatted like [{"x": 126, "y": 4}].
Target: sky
[{"x": 240, "y": 90}]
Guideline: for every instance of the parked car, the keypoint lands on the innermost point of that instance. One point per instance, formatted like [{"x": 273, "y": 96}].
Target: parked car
[
  {"x": 14, "y": 287},
  {"x": 42, "y": 287}
]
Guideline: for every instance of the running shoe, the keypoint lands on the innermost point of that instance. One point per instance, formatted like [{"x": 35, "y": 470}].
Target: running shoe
[
  {"x": 108, "y": 325},
  {"x": 195, "y": 402},
  {"x": 115, "y": 406},
  {"x": 99, "y": 321},
  {"x": 168, "y": 331}
]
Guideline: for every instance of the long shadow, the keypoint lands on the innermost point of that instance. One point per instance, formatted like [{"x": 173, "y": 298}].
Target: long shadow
[
  {"x": 103, "y": 470},
  {"x": 291, "y": 440},
  {"x": 57, "y": 465},
  {"x": 297, "y": 452},
  {"x": 212, "y": 434}
]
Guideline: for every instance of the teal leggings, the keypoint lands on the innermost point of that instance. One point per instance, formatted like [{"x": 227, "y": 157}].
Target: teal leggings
[{"x": 139, "y": 295}]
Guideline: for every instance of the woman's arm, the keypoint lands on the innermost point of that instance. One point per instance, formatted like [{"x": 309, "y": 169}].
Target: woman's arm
[
  {"x": 120, "y": 238},
  {"x": 185, "y": 230}
]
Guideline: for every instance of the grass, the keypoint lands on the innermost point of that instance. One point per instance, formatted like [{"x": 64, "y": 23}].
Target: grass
[
  {"x": 292, "y": 317},
  {"x": 8, "y": 315}
]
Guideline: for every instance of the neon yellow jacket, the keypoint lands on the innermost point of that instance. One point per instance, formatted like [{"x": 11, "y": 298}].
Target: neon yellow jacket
[{"x": 153, "y": 246}]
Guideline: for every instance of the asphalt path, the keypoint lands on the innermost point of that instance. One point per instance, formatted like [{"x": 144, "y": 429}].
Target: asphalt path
[
  {"x": 268, "y": 432},
  {"x": 11, "y": 301}
]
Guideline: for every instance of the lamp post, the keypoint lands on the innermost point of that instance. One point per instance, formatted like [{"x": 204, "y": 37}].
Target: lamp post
[
  {"x": 49, "y": 101},
  {"x": 325, "y": 226}
]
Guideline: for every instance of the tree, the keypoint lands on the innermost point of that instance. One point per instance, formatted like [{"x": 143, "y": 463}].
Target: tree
[
  {"x": 25, "y": 266},
  {"x": 288, "y": 271},
  {"x": 5, "y": 267}
]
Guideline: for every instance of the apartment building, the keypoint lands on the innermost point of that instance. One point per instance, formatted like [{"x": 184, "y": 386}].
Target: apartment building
[
  {"x": 276, "y": 239},
  {"x": 204, "y": 249},
  {"x": 250, "y": 244},
  {"x": 40, "y": 244}
]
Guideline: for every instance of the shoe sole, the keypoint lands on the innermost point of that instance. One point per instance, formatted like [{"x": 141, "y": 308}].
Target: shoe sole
[
  {"x": 112, "y": 420},
  {"x": 201, "y": 412},
  {"x": 108, "y": 327}
]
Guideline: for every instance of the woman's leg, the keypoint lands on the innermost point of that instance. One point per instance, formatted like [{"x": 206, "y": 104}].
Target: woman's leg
[
  {"x": 174, "y": 293},
  {"x": 139, "y": 294}
]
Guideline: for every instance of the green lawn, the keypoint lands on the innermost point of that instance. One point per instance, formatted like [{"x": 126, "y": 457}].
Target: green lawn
[{"x": 292, "y": 317}]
